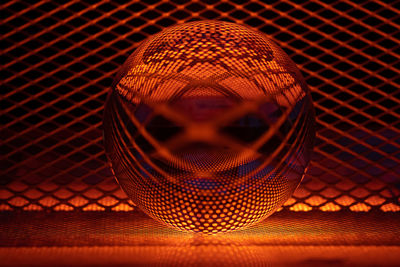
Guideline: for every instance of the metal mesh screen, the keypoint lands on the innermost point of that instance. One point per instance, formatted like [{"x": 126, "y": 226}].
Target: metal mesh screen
[{"x": 59, "y": 58}]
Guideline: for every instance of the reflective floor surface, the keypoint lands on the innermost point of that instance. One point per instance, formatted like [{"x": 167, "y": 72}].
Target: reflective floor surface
[{"x": 133, "y": 239}]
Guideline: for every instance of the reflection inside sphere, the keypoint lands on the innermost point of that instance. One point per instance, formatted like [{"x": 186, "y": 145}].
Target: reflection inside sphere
[{"x": 209, "y": 127}]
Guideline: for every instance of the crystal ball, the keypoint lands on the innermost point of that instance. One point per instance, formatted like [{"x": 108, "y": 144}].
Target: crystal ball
[{"x": 209, "y": 126}]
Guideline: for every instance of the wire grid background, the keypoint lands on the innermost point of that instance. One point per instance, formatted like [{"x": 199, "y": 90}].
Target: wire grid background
[{"x": 59, "y": 59}]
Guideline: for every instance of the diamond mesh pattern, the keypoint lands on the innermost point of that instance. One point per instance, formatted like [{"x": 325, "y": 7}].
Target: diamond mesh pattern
[{"x": 59, "y": 59}]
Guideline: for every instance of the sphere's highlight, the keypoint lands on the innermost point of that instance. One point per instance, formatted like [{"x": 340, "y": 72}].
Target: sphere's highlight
[{"x": 209, "y": 126}]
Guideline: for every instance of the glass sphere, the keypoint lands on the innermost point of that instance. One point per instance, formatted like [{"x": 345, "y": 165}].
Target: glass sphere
[{"x": 209, "y": 126}]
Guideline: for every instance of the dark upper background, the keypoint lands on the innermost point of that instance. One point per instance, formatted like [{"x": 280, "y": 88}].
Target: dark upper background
[{"x": 59, "y": 58}]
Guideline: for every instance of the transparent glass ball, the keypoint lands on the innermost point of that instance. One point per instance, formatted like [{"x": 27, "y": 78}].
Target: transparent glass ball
[{"x": 209, "y": 126}]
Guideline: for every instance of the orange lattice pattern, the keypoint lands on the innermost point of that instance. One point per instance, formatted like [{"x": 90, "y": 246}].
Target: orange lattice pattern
[{"x": 59, "y": 59}]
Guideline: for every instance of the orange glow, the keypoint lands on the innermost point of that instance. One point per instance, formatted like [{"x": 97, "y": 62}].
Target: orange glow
[{"x": 312, "y": 203}]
